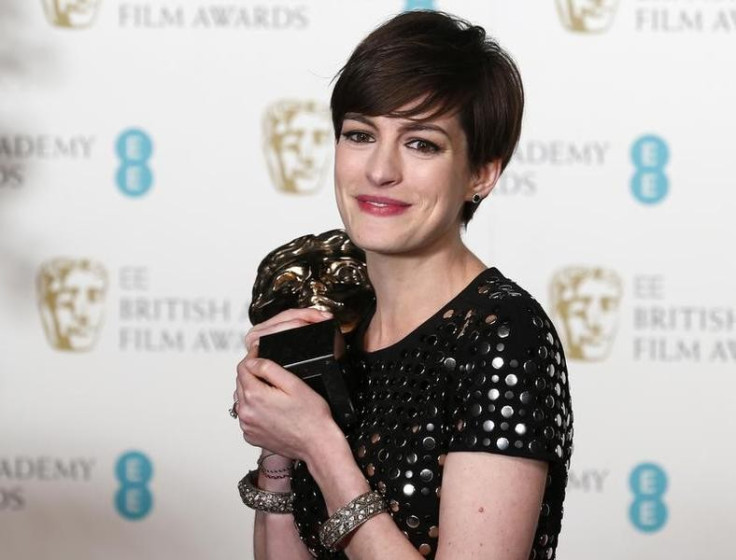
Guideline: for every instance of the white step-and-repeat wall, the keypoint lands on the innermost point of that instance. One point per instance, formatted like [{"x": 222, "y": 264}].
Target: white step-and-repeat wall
[{"x": 153, "y": 151}]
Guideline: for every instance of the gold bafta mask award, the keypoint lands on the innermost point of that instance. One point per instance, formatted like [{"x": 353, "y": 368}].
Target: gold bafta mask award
[
  {"x": 298, "y": 144},
  {"x": 71, "y": 13},
  {"x": 587, "y": 302},
  {"x": 324, "y": 271},
  {"x": 71, "y": 296},
  {"x": 587, "y": 16}
]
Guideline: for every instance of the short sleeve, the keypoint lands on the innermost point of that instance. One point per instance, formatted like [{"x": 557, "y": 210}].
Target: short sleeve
[{"x": 512, "y": 396}]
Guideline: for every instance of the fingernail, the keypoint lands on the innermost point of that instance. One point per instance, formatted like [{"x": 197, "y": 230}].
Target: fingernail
[
  {"x": 326, "y": 314},
  {"x": 251, "y": 363}
]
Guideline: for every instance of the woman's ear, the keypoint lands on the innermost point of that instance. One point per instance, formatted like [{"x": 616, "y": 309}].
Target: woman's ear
[{"x": 485, "y": 179}]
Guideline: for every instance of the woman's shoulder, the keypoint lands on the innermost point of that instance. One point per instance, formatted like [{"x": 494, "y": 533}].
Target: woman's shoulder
[
  {"x": 511, "y": 395},
  {"x": 493, "y": 292},
  {"x": 495, "y": 315}
]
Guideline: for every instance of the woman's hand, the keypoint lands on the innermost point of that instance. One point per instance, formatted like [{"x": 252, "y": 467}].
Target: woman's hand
[
  {"x": 289, "y": 319},
  {"x": 276, "y": 409}
]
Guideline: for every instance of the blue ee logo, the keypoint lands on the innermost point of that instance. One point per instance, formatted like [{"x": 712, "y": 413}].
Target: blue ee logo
[
  {"x": 419, "y": 5},
  {"x": 650, "y": 155},
  {"x": 648, "y": 512},
  {"x": 133, "y": 500},
  {"x": 134, "y": 148}
]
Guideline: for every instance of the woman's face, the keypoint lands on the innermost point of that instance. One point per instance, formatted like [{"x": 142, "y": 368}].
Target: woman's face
[{"x": 400, "y": 183}]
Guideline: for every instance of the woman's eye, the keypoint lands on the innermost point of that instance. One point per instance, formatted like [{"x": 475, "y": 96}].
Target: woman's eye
[
  {"x": 423, "y": 146},
  {"x": 357, "y": 136}
]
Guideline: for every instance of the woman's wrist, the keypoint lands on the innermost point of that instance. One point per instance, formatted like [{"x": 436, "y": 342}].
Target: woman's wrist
[
  {"x": 334, "y": 470},
  {"x": 274, "y": 459},
  {"x": 273, "y": 485},
  {"x": 274, "y": 472}
]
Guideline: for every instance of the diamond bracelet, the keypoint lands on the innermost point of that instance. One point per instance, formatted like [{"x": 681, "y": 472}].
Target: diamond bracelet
[
  {"x": 262, "y": 500},
  {"x": 349, "y": 517}
]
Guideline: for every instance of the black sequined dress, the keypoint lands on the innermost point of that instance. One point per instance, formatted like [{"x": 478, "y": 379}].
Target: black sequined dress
[{"x": 485, "y": 373}]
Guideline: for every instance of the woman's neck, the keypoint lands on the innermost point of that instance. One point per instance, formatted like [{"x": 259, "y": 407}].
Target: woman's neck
[{"x": 410, "y": 289}]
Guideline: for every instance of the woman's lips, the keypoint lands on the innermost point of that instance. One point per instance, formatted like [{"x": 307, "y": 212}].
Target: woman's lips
[{"x": 381, "y": 205}]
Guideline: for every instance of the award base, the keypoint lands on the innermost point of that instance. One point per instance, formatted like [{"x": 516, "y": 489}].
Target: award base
[{"x": 314, "y": 353}]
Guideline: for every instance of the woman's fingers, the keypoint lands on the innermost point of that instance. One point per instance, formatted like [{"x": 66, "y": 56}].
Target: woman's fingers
[
  {"x": 250, "y": 387},
  {"x": 252, "y": 338},
  {"x": 271, "y": 373},
  {"x": 290, "y": 319},
  {"x": 307, "y": 313}
]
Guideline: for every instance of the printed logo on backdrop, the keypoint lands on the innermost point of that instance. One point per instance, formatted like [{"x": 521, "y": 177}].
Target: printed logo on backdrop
[
  {"x": 134, "y": 176},
  {"x": 71, "y": 300},
  {"x": 133, "y": 499},
  {"x": 153, "y": 320},
  {"x": 650, "y": 155},
  {"x": 648, "y": 511},
  {"x": 587, "y": 16},
  {"x": 670, "y": 331},
  {"x": 419, "y": 5},
  {"x": 685, "y": 16},
  {"x": 22, "y": 476},
  {"x": 298, "y": 145},
  {"x": 193, "y": 14},
  {"x": 587, "y": 480},
  {"x": 20, "y": 152},
  {"x": 537, "y": 162},
  {"x": 586, "y": 301},
  {"x": 71, "y": 14},
  {"x": 660, "y": 17}
]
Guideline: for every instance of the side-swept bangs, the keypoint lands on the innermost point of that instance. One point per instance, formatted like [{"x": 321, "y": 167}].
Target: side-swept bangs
[{"x": 436, "y": 64}]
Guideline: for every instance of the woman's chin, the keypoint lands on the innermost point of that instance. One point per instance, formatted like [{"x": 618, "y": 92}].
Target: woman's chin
[{"x": 380, "y": 245}]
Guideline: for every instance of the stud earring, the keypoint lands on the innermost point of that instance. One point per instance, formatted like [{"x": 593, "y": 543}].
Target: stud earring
[{"x": 476, "y": 199}]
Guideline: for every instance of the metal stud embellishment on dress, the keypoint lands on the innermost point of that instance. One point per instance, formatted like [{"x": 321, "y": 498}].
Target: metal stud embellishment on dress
[{"x": 441, "y": 392}]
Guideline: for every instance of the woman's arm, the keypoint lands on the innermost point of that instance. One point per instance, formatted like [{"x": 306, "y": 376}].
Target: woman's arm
[
  {"x": 489, "y": 507},
  {"x": 280, "y": 412},
  {"x": 335, "y": 471},
  {"x": 275, "y": 536}
]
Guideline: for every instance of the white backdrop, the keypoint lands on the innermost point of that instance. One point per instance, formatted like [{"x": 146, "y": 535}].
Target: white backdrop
[{"x": 127, "y": 258}]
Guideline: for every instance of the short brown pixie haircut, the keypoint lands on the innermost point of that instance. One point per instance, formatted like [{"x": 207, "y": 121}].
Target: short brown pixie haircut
[{"x": 448, "y": 63}]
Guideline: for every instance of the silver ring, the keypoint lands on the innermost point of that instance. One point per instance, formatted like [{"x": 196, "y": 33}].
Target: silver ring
[{"x": 234, "y": 409}]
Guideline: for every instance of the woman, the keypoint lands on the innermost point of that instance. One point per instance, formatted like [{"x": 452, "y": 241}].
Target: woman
[{"x": 465, "y": 431}]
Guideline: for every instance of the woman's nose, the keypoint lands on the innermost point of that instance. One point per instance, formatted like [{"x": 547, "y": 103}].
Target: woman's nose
[{"x": 384, "y": 165}]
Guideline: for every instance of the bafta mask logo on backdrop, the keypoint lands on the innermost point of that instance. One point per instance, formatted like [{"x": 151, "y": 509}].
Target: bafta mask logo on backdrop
[
  {"x": 650, "y": 155},
  {"x": 71, "y": 296},
  {"x": 72, "y": 14},
  {"x": 419, "y": 5},
  {"x": 298, "y": 144},
  {"x": 587, "y": 16},
  {"x": 586, "y": 301}
]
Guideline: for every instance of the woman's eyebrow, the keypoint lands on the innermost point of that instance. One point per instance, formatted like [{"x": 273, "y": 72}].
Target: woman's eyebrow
[
  {"x": 409, "y": 126},
  {"x": 359, "y": 117},
  {"x": 420, "y": 126}
]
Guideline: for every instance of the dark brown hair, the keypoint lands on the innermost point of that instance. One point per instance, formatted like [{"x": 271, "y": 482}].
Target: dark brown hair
[{"x": 448, "y": 63}]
